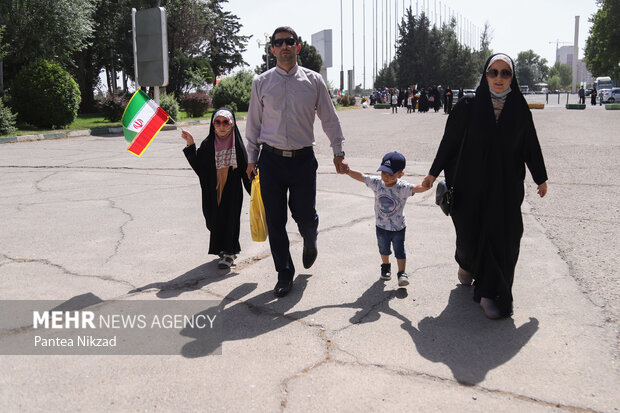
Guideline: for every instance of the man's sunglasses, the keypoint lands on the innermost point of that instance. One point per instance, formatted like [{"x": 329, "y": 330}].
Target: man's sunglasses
[
  {"x": 504, "y": 73},
  {"x": 224, "y": 122},
  {"x": 289, "y": 42}
]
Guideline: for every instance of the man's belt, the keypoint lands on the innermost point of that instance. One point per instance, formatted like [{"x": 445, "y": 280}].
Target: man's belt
[{"x": 287, "y": 154}]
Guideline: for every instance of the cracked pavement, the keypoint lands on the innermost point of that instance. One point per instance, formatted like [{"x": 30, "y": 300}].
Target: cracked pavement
[{"x": 82, "y": 217}]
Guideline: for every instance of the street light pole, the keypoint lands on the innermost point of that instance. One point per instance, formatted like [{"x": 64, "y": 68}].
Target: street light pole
[
  {"x": 364, "y": 39},
  {"x": 352, "y": 81},
  {"x": 341, "y": 52}
]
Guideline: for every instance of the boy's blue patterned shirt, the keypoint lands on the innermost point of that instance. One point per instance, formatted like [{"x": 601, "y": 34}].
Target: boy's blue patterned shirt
[{"x": 389, "y": 202}]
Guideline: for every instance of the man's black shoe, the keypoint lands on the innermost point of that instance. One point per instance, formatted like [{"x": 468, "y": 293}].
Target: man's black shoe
[
  {"x": 309, "y": 256},
  {"x": 282, "y": 288}
]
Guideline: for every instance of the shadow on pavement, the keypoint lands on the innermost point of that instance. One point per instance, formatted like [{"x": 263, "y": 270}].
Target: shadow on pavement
[
  {"x": 460, "y": 337},
  {"x": 192, "y": 280},
  {"x": 266, "y": 313},
  {"x": 467, "y": 342}
]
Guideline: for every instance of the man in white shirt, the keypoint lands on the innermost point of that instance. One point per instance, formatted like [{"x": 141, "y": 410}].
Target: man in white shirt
[{"x": 279, "y": 127}]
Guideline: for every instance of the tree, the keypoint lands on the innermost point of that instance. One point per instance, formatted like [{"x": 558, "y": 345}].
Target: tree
[
  {"x": 554, "y": 82},
  {"x": 49, "y": 29},
  {"x": 308, "y": 57},
  {"x": 530, "y": 68},
  {"x": 386, "y": 77},
  {"x": 602, "y": 53},
  {"x": 189, "y": 26},
  {"x": 564, "y": 73},
  {"x": 430, "y": 56},
  {"x": 234, "y": 91},
  {"x": 110, "y": 47},
  {"x": 4, "y": 48},
  {"x": 485, "y": 51},
  {"x": 225, "y": 46},
  {"x": 267, "y": 64}
]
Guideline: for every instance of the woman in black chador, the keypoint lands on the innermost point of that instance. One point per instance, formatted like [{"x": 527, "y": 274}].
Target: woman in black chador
[
  {"x": 498, "y": 139},
  {"x": 220, "y": 164}
]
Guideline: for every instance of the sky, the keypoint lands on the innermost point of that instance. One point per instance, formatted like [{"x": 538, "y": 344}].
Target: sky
[{"x": 515, "y": 26}]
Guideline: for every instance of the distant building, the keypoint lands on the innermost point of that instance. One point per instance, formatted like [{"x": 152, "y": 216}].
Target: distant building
[
  {"x": 322, "y": 41},
  {"x": 565, "y": 55}
]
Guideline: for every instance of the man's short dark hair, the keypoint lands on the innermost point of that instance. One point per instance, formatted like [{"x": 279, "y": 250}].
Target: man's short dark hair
[{"x": 284, "y": 29}]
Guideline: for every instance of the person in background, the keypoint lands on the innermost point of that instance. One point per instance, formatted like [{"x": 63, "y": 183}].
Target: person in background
[
  {"x": 447, "y": 100},
  {"x": 582, "y": 95},
  {"x": 394, "y": 101}
]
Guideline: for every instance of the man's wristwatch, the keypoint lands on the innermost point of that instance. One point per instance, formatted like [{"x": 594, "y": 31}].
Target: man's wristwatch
[{"x": 339, "y": 154}]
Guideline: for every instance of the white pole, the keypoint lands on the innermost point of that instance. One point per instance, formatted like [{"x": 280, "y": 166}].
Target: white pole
[
  {"x": 364, "y": 38},
  {"x": 575, "y": 52},
  {"x": 351, "y": 92},
  {"x": 341, "y": 52}
]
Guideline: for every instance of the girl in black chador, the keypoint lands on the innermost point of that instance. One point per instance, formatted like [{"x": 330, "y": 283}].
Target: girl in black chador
[
  {"x": 220, "y": 164},
  {"x": 498, "y": 140},
  {"x": 424, "y": 104}
]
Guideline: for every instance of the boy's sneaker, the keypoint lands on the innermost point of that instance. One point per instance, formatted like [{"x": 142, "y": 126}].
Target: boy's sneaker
[
  {"x": 403, "y": 279},
  {"x": 386, "y": 272}
]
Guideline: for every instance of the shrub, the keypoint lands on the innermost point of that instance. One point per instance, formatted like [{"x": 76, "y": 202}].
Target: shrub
[
  {"x": 113, "y": 106},
  {"x": 170, "y": 105},
  {"x": 195, "y": 104},
  {"x": 346, "y": 100},
  {"x": 234, "y": 92},
  {"x": 7, "y": 120},
  {"x": 45, "y": 95}
]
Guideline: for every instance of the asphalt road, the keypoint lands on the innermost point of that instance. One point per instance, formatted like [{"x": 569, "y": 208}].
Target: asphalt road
[{"x": 85, "y": 223}]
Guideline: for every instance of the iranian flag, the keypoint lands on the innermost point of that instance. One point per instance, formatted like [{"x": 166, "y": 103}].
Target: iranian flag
[{"x": 142, "y": 120}]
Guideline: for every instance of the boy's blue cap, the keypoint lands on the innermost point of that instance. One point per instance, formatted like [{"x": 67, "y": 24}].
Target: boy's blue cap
[{"x": 392, "y": 162}]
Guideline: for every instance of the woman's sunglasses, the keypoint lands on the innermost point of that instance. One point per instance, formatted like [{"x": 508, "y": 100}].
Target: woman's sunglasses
[
  {"x": 224, "y": 122},
  {"x": 504, "y": 73},
  {"x": 289, "y": 42}
]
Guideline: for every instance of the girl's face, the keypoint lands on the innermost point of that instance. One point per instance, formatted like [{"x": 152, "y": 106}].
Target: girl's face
[
  {"x": 499, "y": 76},
  {"x": 223, "y": 126}
]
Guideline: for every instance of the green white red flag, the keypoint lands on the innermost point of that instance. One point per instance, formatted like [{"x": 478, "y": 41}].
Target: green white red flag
[{"x": 142, "y": 120}]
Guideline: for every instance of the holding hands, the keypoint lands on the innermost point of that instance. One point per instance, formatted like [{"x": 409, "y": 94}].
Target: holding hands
[
  {"x": 342, "y": 167},
  {"x": 428, "y": 181}
]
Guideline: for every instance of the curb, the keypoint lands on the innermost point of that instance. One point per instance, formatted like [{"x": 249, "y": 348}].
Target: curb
[{"x": 96, "y": 132}]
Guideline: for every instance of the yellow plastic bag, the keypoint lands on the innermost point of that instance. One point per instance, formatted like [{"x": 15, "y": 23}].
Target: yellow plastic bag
[{"x": 258, "y": 222}]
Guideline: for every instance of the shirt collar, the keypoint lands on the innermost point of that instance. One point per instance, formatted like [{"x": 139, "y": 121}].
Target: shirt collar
[{"x": 290, "y": 72}]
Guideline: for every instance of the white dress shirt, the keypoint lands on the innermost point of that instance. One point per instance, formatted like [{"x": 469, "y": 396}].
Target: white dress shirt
[{"x": 282, "y": 110}]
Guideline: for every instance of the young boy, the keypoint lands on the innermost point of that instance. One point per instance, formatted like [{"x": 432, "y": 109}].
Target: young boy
[{"x": 391, "y": 193}]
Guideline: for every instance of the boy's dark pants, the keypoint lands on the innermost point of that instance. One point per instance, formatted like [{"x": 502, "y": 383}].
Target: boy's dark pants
[{"x": 296, "y": 176}]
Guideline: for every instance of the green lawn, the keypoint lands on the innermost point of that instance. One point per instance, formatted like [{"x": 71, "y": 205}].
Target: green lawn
[
  {"x": 92, "y": 121},
  {"x": 96, "y": 121}
]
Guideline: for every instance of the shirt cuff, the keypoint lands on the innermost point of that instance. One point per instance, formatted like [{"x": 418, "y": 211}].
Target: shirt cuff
[{"x": 337, "y": 147}]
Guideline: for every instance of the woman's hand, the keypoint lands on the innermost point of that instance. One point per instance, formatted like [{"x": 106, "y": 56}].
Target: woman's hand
[
  {"x": 187, "y": 137},
  {"x": 251, "y": 171},
  {"x": 542, "y": 189},
  {"x": 428, "y": 181}
]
